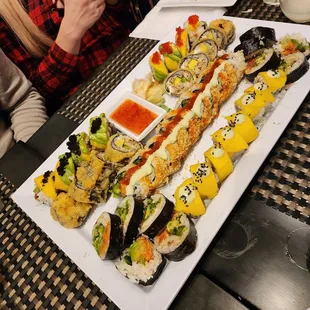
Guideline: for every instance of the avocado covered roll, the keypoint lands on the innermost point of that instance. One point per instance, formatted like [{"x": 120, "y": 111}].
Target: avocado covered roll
[
  {"x": 158, "y": 67},
  {"x": 99, "y": 132},
  {"x": 157, "y": 213},
  {"x": 130, "y": 212},
  {"x": 107, "y": 236},
  {"x": 121, "y": 148},
  {"x": 79, "y": 146},
  {"x": 64, "y": 173},
  {"x": 178, "y": 239},
  {"x": 172, "y": 55},
  {"x": 141, "y": 263}
]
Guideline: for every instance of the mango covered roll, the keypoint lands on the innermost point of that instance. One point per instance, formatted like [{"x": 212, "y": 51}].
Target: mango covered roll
[{"x": 275, "y": 79}]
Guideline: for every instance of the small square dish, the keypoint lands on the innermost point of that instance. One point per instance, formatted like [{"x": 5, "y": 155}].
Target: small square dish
[{"x": 135, "y": 116}]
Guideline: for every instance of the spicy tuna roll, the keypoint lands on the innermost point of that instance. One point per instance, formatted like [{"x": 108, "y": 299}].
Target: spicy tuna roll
[
  {"x": 178, "y": 239},
  {"x": 130, "y": 212},
  {"x": 107, "y": 236},
  {"x": 157, "y": 213},
  {"x": 141, "y": 263}
]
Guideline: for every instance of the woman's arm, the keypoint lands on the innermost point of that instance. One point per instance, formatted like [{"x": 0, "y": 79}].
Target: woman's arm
[{"x": 27, "y": 108}]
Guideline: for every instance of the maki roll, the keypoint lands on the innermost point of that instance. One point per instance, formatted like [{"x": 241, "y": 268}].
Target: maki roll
[
  {"x": 243, "y": 125},
  {"x": 275, "y": 79},
  {"x": 220, "y": 160},
  {"x": 64, "y": 173},
  {"x": 266, "y": 60},
  {"x": 254, "y": 46},
  {"x": 45, "y": 191},
  {"x": 179, "y": 81},
  {"x": 158, "y": 67},
  {"x": 208, "y": 47},
  {"x": 157, "y": 213},
  {"x": 79, "y": 147},
  {"x": 130, "y": 212},
  {"x": 181, "y": 41},
  {"x": 121, "y": 148},
  {"x": 205, "y": 180},
  {"x": 187, "y": 199},
  {"x": 141, "y": 263},
  {"x": 172, "y": 55},
  {"x": 259, "y": 32},
  {"x": 195, "y": 28},
  {"x": 295, "y": 66},
  {"x": 99, "y": 132},
  {"x": 195, "y": 62},
  {"x": 262, "y": 90},
  {"x": 231, "y": 141},
  {"x": 227, "y": 27},
  {"x": 68, "y": 212},
  {"x": 107, "y": 237},
  {"x": 251, "y": 104},
  {"x": 216, "y": 35},
  {"x": 293, "y": 43},
  {"x": 178, "y": 239}
]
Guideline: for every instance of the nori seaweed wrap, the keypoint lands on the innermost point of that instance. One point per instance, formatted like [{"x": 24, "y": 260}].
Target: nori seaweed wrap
[
  {"x": 178, "y": 239},
  {"x": 259, "y": 32}
]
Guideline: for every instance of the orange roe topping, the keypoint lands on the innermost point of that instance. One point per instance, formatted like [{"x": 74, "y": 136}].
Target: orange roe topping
[
  {"x": 179, "y": 41},
  {"x": 166, "y": 48},
  {"x": 156, "y": 58},
  {"x": 193, "y": 20}
]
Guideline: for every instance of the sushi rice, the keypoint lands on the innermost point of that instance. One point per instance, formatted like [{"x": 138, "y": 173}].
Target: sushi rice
[{"x": 43, "y": 199}]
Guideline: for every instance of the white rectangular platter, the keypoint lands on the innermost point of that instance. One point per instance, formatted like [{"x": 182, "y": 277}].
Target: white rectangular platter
[
  {"x": 188, "y": 3},
  {"x": 76, "y": 243}
]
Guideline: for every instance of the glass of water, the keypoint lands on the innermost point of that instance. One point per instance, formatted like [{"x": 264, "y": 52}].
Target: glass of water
[{"x": 272, "y": 2}]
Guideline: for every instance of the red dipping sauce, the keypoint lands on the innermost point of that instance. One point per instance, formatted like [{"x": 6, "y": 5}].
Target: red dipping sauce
[{"x": 133, "y": 116}]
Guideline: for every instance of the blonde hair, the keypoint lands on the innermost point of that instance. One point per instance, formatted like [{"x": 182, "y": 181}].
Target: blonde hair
[{"x": 34, "y": 40}]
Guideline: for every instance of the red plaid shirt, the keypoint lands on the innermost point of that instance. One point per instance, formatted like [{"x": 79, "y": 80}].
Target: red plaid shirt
[{"x": 59, "y": 73}]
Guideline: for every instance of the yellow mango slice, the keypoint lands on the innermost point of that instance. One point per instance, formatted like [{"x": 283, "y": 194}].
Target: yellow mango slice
[
  {"x": 58, "y": 183},
  {"x": 251, "y": 104},
  {"x": 46, "y": 184},
  {"x": 262, "y": 90},
  {"x": 275, "y": 79}
]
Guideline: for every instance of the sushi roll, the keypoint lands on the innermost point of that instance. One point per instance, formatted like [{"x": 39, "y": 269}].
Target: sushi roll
[
  {"x": 107, "y": 236},
  {"x": 259, "y": 32},
  {"x": 195, "y": 28},
  {"x": 158, "y": 67},
  {"x": 130, "y": 212},
  {"x": 293, "y": 43},
  {"x": 220, "y": 160},
  {"x": 295, "y": 66},
  {"x": 178, "y": 239},
  {"x": 266, "y": 60},
  {"x": 262, "y": 90},
  {"x": 195, "y": 62},
  {"x": 254, "y": 46},
  {"x": 44, "y": 190},
  {"x": 182, "y": 41},
  {"x": 157, "y": 213},
  {"x": 275, "y": 79},
  {"x": 188, "y": 200},
  {"x": 171, "y": 54},
  {"x": 121, "y": 148},
  {"x": 205, "y": 180},
  {"x": 64, "y": 173},
  {"x": 227, "y": 27},
  {"x": 251, "y": 104},
  {"x": 216, "y": 35},
  {"x": 99, "y": 132},
  {"x": 79, "y": 146},
  {"x": 230, "y": 140},
  {"x": 141, "y": 263},
  {"x": 243, "y": 125},
  {"x": 179, "y": 81},
  {"x": 208, "y": 47},
  {"x": 68, "y": 212}
]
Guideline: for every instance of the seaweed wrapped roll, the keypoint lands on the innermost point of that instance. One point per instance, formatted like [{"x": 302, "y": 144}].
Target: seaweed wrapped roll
[
  {"x": 130, "y": 212},
  {"x": 179, "y": 81},
  {"x": 259, "y": 32},
  {"x": 157, "y": 213},
  {"x": 195, "y": 28},
  {"x": 178, "y": 239},
  {"x": 121, "y": 148},
  {"x": 208, "y": 47},
  {"x": 141, "y": 263},
  {"x": 107, "y": 236},
  {"x": 293, "y": 43},
  {"x": 227, "y": 27},
  {"x": 195, "y": 62},
  {"x": 216, "y": 35}
]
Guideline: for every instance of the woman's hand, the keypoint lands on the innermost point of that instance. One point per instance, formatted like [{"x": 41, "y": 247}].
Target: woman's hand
[{"x": 80, "y": 15}]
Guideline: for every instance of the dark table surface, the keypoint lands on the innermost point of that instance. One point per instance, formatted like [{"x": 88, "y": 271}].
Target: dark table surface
[{"x": 260, "y": 259}]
